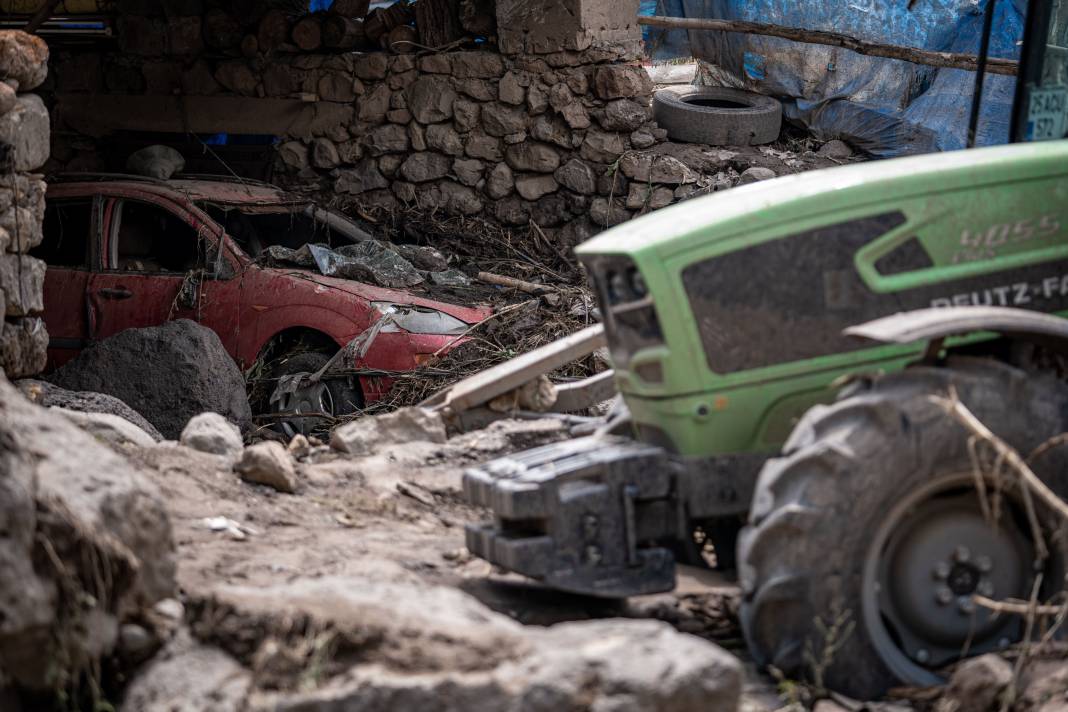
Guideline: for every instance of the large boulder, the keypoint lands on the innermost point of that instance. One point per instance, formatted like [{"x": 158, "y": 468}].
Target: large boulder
[
  {"x": 85, "y": 546},
  {"x": 167, "y": 373}
]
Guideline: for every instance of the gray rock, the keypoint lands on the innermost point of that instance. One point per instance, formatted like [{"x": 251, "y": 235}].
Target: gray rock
[
  {"x": 47, "y": 395},
  {"x": 501, "y": 181},
  {"x": 510, "y": 91},
  {"x": 616, "y": 81},
  {"x": 435, "y": 64},
  {"x": 643, "y": 195},
  {"x": 22, "y": 282},
  {"x": 602, "y": 146},
  {"x": 623, "y": 115},
  {"x": 534, "y": 186},
  {"x": 26, "y": 129},
  {"x": 188, "y": 677},
  {"x": 324, "y": 153},
  {"x": 136, "y": 643},
  {"x": 24, "y": 59},
  {"x": 430, "y": 99},
  {"x": 212, "y": 433},
  {"x": 371, "y": 66},
  {"x": 977, "y": 684},
  {"x": 268, "y": 463},
  {"x": 362, "y": 177},
  {"x": 513, "y": 211},
  {"x": 389, "y": 138},
  {"x": 294, "y": 154},
  {"x": 360, "y": 436},
  {"x": 754, "y": 174},
  {"x": 502, "y": 120},
  {"x": 642, "y": 139},
  {"x": 836, "y": 149},
  {"x": 443, "y": 138},
  {"x": 372, "y": 106},
  {"x": 108, "y": 428},
  {"x": 477, "y": 89},
  {"x": 466, "y": 115},
  {"x": 607, "y": 215},
  {"x": 399, "y": 116},
  {"x": 654, "y": 167},
  {"x": 23, "y": 346},
  {"x": 454, "y": 198},
  {"x": 537, "y": 98},
  {"x": 422, "y": 167},
  {"x": 552, "y": 129},
  {"x": 576, "y": 116},
  {"x": 577, "y": 175},
  {"x": 483, "y": 146},
  {"x": 417, "y": 135},
  {"x": 468, "y": 171},
  {"x": 155, "y": 162},
  {"x": 532, "y": 156},
  {"x": 167, "y": 373},
  {"x": 479, "y": 65},
  {"x": 560, "y": 96}
]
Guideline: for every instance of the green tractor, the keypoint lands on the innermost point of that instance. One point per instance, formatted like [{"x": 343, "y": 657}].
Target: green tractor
[{"x": 778, "y": 347}]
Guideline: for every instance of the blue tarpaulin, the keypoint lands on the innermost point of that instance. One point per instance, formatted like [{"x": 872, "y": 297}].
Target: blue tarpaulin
[{"x": 884, "y": 106}]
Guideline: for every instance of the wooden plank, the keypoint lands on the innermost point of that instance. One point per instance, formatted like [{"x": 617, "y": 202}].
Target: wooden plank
[
  {"x": 951, "y": 60},
  {"x": 580, "y": 395},
  {"x": 504, "y": 377}
]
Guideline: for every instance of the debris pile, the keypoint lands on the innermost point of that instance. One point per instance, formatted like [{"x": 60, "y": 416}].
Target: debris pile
[{"x": 24, "y": 147}]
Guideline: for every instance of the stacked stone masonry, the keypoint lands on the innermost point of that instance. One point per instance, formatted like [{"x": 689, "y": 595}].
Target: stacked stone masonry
[{"x": 24, "y": 147}]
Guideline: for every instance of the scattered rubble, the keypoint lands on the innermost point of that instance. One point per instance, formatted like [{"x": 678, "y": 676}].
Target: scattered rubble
[
  {"x": 167, "y": 373},
  {"x": 363, "y": 435},
  {"x": 108, "y": 428},
  {"x": 268, "y": 463},
  {"x": 212, "y": 433}
]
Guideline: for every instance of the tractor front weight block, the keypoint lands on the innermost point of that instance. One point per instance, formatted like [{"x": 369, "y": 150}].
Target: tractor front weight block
[{"x": 590, "y": 516}]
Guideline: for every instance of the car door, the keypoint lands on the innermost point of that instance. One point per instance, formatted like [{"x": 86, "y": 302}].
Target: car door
[
  {"x": 69, "y": 232},
  {"x": 156, "y": 269}
]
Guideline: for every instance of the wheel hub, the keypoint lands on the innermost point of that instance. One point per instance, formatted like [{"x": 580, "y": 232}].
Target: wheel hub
[
  {"x": 307, "y": 404},
  {"x": 933, "y": 558}
]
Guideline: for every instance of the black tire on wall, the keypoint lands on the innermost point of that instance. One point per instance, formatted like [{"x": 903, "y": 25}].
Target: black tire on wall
[
  {"x": 717, "y": 115},
  {"x": 871, "y": 518}
]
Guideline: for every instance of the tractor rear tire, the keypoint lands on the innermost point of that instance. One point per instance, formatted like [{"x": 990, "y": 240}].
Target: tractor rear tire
[{"x": 866, "y": 538}]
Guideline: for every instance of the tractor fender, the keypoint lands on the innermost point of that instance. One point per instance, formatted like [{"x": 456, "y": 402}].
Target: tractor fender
[{"x": 941, "y": 322}]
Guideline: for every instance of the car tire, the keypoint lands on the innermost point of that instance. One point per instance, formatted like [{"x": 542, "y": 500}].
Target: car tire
[
  {"x": 866, "y": 489},
  {"x": 717, "y": 115},
  {"x": 343, "y": 395}
]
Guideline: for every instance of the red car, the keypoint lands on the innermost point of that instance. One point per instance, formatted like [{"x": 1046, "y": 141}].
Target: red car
[{"x": 126, "y": 251}]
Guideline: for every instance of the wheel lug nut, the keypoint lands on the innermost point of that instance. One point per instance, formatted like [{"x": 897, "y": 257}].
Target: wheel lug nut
[
  {"x": 984, "y": 564},
  {"x": 944, "y": 596},
  {"x": 961, "y": 554},
  {"x": 965, "y": 605},
  {"x": 941, "y": 571}
]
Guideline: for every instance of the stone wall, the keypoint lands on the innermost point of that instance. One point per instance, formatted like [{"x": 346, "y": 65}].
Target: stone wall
[
  {"x": 24, "y": 146},
  {"x": 531, "y": 128}
]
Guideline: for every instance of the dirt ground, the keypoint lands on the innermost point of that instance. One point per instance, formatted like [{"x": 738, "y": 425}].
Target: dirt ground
[{"x": 396, "y": 516}]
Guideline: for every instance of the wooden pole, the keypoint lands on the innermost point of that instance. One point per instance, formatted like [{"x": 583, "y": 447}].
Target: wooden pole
[
  {"x": 950, "y": 60},
  {"x": 39, "y": 17}
]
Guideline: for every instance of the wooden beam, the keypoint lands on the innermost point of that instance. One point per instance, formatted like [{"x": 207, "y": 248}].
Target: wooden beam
[
  {"x": 39, "y": 17},
  {"x": 949, "y": 60}
]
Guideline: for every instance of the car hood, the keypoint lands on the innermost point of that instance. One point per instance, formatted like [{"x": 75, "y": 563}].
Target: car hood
[{"x": 371, "y": 293}]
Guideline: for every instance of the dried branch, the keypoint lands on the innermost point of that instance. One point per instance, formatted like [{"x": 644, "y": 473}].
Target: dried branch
[
  {"x": 959, "y": 412},
  {"x": 949, "y": 60}
]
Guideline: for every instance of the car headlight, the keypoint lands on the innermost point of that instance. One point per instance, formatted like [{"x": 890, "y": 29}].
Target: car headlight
[{"x": 419, "y": 320}]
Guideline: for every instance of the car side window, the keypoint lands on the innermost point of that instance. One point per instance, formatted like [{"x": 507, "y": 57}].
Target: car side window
[
  {"x": 67, "y": 226},
  {"x": 150, "y": 238}
]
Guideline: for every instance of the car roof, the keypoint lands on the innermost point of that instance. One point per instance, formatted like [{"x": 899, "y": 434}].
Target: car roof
[{"x": 212, "y": 189}]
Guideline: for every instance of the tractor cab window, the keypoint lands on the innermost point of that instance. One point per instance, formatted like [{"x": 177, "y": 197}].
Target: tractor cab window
[
  {"x": 1042, "y": 95},
  {"x": 67, "y": 226},
  {"x": 149, "y": 238}
]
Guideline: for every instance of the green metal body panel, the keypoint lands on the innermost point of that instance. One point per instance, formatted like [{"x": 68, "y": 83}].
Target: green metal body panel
[{"x": 975, "y": 212}]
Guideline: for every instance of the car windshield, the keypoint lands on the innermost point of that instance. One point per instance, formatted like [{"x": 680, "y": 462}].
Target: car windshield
[{"x": 255, "y": 228}]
